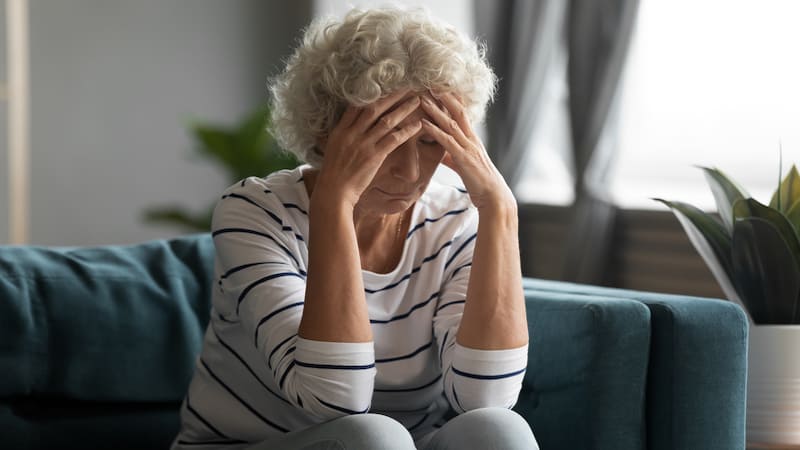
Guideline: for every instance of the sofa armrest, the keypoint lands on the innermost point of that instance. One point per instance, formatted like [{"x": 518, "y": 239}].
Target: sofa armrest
[
  {"x": 585, "y": 384},
  {"x": 697, "y": 375}
]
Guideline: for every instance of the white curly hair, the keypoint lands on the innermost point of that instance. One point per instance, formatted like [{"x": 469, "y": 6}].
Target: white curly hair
[{"x": 365, "y": 56}]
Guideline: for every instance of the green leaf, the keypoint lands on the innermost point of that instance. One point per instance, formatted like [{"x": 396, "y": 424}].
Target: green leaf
[
  {"x": 726, "y": 192},
  {"x": 217, "y": 144},
  {"x": 710, "y": 239},
  {"x": 242, "y": 150},
  {"x": 252, "y": 133},
  {"x": 246, "y": 149},
  {"x": 765, "y": 271},
  {"x": 752, "y": 208},
  {"x": 793, "y": 216},
  {"x": 788, "y": 193},
  {"x": 176, "y": 215}
]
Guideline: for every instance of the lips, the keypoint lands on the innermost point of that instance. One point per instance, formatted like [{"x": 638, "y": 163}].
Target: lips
[{"x": 396, "y": 194}]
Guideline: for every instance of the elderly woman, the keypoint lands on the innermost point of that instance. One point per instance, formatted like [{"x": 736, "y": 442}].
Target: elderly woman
[{"x": 360, "y": 304}]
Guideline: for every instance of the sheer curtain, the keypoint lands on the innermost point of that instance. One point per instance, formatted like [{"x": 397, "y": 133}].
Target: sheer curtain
[
  {"x": 598, "y": 36},
  {"x": 525, "y": 38}
]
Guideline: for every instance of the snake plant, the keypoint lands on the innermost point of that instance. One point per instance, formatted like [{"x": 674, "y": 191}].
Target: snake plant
[{"x": 753, "y": 250}]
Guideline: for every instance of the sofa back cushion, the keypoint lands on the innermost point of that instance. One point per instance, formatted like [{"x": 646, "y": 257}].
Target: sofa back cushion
[{"x": 112, "y": 324}]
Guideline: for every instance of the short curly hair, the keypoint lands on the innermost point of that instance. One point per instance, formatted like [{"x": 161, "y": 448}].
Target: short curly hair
[{"x": 368, "y": 55}]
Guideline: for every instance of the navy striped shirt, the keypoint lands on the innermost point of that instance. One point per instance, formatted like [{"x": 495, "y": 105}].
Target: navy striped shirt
[{"x": 256, "y": 378}]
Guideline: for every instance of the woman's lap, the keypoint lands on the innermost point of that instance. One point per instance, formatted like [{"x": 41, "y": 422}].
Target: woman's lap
[
  {"x": 485, "y": 428},
  {"x": 355, "y": 432}
]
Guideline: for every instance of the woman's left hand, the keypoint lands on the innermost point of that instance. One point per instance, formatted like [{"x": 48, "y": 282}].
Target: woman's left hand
[{"x": 465, "y": 153}]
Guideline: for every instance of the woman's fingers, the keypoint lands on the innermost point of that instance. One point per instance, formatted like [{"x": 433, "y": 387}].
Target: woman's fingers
[
  {"x": 391, "y": 141},
  {"x": 450, "y": 144},
  {"x": 388, "y": 122},
  {"x": 372, "y": 112},
  {"x": 457, "y": 111},
  {"x": 444, "y": 121},
  {"x": 348, "y": 117}
]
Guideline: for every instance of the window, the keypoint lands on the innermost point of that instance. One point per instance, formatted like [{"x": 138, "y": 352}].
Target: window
[
  {"x": 710, "y": 83},
  {"x": 714, "y": 83}
]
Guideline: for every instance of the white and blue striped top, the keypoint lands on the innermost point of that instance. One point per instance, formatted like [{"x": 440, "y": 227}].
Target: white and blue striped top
[{"x": 256, "y": 378}]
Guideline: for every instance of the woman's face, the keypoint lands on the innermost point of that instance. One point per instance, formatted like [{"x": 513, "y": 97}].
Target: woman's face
[{"x": 406, "y": 172}]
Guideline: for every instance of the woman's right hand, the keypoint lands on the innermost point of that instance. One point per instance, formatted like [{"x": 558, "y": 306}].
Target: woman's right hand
[{"x": 360, "y": 141}]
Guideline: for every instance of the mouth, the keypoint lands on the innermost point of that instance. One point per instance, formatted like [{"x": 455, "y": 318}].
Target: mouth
[{"x": 396, "y": 194}]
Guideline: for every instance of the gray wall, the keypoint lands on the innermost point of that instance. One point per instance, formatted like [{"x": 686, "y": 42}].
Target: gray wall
[{"x": 113, "y": 87}]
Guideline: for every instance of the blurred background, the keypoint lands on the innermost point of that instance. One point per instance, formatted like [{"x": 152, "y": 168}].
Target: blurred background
[{"x": 603, "y": 105}]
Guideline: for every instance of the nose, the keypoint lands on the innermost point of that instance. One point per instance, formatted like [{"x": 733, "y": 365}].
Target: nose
[{"x": 405, "y": 162}]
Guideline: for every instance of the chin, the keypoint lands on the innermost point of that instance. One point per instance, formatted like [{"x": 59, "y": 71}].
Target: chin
[
  {"x": 391, "y": 207},
  {"x": 377, "y": 204}
]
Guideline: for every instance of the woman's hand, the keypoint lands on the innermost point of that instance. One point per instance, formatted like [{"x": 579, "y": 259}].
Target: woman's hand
[
  {"x": 465, "y": 152},
  {"x": 360, "y": 141},
  {"x": 335, "y": 308},
  {"x": 494, "y": 315}
]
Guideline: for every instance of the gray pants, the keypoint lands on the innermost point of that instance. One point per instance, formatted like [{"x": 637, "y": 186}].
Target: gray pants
[{"x": 482, "y": 429}]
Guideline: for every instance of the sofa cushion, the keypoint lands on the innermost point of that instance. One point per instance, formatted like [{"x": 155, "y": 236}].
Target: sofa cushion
[
  {"x": 587, "y": 363},
  {"x": 71, "y": 320}
]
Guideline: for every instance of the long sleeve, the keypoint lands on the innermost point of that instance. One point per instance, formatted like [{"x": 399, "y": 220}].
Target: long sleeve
[
  {"x": 472, "y": 378},
  {"x": 260, "y": 258}
]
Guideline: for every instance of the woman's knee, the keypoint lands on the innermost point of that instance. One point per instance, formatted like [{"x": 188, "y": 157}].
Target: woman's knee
[
  {"x": 495, "y": 428},
  {"x": 372, "y": 431}
]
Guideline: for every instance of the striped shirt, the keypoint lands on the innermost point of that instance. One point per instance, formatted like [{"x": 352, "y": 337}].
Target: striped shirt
[{"x": 256, "y": 377}]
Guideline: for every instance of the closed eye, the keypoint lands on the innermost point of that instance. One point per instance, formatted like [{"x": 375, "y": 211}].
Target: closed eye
[{"x": 428, "y": 141}]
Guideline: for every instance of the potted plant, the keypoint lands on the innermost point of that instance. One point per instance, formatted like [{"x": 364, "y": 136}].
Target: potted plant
[
  {"x": 244, "y": 149},
  {"x": 753, "y": 250}
]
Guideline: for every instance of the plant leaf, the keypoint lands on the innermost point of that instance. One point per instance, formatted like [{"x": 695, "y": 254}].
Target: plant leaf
[
  {"x": 788, "y": 193},
  {"x": 793, "y": 216},
  {"x": 765, "y": 270},
  {"x": 726, "y": 192},
  {"x": 752, "y": 208},
  {"x": 176, "y": 215},
  {"x": 246, "y": 149},
  {"x": 711, "y": 241},
  {"x": 217, "y": 144}
]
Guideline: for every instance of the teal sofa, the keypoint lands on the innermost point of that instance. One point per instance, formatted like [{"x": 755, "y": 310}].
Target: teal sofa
[{"x": 97, "y": 347}]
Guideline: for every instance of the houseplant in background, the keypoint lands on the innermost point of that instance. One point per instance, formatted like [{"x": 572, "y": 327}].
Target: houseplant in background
[
  {"x": 753, "y": 250},
  {"x": 244, "y": 149}
]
